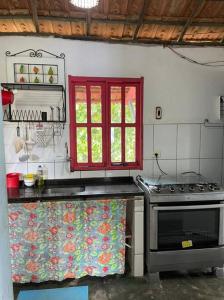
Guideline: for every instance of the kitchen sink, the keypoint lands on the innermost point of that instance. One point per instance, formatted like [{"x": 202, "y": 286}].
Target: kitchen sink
[{"x": 64, "y": 190}]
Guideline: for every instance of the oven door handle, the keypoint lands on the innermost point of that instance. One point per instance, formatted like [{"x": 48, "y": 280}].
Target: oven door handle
[{"x": 188, "y": 207}]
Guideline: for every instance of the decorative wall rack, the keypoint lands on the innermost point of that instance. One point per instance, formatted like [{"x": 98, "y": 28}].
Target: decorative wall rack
[{"x": 32, "y": 74}]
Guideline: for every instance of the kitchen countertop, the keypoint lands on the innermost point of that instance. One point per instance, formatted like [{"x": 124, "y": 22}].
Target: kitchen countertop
[{"x": 76, "y": 189}]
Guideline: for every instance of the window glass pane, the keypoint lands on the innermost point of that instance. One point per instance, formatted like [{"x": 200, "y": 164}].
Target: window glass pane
[
  {"x": 96, "y": 134},
  {"x": 82, "y": 145},
  {"x": 115, "y": 96},
  {"x": 130, "y": 104},
  {"x": 96, "y": 106},
  {"x": 116, "y": 144},
  {"x": 130, "y": 138},
  {"x": 81, "y": 104}
]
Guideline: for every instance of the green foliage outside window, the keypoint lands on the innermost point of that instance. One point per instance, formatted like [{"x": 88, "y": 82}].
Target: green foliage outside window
[{"x": 96, "y": 117}]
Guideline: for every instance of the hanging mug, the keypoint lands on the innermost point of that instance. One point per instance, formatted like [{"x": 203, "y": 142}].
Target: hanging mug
[{"x": 7, "y": 97}]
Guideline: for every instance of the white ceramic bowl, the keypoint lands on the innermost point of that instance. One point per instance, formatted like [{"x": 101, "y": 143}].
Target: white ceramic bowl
[{"x": 29, "y": 182}]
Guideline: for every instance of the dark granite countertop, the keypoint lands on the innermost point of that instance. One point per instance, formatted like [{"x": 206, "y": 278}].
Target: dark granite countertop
[{"x": 76, "y": 189}]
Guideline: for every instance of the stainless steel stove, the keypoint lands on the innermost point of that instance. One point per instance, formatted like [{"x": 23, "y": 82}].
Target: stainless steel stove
[{"x": 184, "y": 220}]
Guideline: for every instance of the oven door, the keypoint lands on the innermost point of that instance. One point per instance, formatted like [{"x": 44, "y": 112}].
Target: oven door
[{"x": 186, "y": 227}]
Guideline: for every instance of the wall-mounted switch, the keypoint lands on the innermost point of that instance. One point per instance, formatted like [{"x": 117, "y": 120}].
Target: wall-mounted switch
[{"x": 158, "y": 112}]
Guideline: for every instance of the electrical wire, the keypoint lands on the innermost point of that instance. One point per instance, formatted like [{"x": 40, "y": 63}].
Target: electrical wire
[
  {"x": 214, "y": 64},
  {"x": 157, "y": 162}
]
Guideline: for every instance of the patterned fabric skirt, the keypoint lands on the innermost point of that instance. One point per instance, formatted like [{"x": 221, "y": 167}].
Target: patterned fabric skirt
[{"x": 67, "y": 239}]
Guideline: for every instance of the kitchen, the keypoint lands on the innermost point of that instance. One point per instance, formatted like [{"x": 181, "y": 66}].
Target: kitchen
[{"x": 187, "y": 135}]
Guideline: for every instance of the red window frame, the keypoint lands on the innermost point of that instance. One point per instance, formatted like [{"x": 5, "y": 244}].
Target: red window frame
[{"x": 106, "y": 124}]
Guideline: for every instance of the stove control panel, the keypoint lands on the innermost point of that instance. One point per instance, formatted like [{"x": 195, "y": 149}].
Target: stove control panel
[{"x": 183, "y": 188}]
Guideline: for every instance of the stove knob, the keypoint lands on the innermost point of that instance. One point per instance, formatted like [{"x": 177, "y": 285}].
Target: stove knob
[
  {"x": 211, "y": 187},
  {"x": 158, "y": 190},
  {"x": 201, "y": 188},
  {"x": 181, "y": 189},
  {"x": 172, "y": 189},
  {"x": 191, "y": 188}
]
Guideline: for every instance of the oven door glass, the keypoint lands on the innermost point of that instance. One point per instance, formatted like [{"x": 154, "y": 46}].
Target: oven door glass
[{"x": 187, "y": 229}]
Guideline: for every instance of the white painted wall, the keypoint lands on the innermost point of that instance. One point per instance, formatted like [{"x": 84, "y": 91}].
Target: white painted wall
[
  {"x": 6, "y": 291},
  {"x": 186, "y": 92}
]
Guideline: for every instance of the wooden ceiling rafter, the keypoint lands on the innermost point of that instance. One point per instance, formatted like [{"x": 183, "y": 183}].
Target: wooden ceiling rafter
[
  {"x": 141, "y": 18},
  {"x": 194, "y": 13},
  {"x": 88, "y": 23},
  {"x": 33, "y": 5}
]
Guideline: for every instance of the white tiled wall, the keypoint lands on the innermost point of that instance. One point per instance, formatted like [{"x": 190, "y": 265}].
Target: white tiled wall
[
  {"x": 184, "y": 148},
  {"x": 181, "y": 147}
]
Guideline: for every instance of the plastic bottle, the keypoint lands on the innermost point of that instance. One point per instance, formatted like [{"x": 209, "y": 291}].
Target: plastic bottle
[
  {"x": 40, "y": 176},
  {"x": 45, "y": 172}
]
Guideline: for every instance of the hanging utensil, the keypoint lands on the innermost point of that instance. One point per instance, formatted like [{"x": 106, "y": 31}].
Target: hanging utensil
[
  {"x": 52, "y": 113},
  {"x": 53, "y": 138},
  {"x": 19, "y": 142},
  {"x": 59, "y": 113},
  {"x": 18, "y": 130},
  {"x": 25, "y": 156}
]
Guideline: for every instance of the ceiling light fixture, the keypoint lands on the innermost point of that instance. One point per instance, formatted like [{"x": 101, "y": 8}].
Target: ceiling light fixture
[{"x": 85, "y": 3}]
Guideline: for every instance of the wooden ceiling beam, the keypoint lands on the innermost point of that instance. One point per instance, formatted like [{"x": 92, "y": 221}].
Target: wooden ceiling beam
[
  {"x": 114, "y": 21},
  {"x": 33, "y": 5},
  {"x": 141, "y": 18},
  {"x": 194, "y": 13},
  {"x": 118, "y": 41}
]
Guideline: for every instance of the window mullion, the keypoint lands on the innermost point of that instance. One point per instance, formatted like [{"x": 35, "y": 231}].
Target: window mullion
[
  {"x": 89, "y": 124},
  {"x": 123, "y": 123}
]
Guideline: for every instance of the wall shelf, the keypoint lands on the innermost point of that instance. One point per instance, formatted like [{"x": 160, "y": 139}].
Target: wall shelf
[{"x": 32, "y": 111}]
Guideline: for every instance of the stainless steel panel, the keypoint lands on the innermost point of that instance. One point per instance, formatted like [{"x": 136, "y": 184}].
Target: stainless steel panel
[
  {"x": 153, "y": 228},
  {"x": 186, "y": 207},
  {"x": 185, "y": 259},
  {"x": 186, "y": 197},
  {"x": 221, "y": 227}
]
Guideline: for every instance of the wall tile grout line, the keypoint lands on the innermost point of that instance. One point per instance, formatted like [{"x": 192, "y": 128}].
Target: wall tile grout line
[
  {"x": 188, "y": 123},
  {"x": 177, "y": 130},
  {"x": 222, "y": 155},
  {"x": 153, "y": 146},
  {"x": 200, "y": 152}
]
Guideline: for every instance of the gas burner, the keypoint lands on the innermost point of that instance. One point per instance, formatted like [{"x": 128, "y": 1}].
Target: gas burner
[
  {"x": 191, "y": 188},
  {"x": 181, "y": 189},
  {"x": 172, "y": 189},
  {"x": 211, "y": 187}
]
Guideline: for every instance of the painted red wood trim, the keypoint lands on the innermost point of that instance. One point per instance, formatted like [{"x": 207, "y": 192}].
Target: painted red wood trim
[{"x": 106, "y": 124}]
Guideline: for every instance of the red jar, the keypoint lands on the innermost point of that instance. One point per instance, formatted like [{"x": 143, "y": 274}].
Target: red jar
[
  {"x": 7, "y": 97},
  {"x": 12, "y": 180}
]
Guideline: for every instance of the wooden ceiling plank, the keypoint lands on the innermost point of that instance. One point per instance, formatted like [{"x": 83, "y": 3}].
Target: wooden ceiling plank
[
  {"x": 141, "y": 18},
  {"x": 88, "y": 23},
  {"x": 106, "y": 7},
  {"x": 124, "y": 8},
  {"x": 33, "y": 5},
  {"x": 198, "y": 9}
]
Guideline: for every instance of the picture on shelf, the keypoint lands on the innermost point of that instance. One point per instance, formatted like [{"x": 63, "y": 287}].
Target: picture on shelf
[{"x": 35, "y": 73}]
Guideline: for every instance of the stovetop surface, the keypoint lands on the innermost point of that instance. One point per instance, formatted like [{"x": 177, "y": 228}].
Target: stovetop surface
[
  {"x": 184, "y": 179},
  {"x": 185, "y": 184}
]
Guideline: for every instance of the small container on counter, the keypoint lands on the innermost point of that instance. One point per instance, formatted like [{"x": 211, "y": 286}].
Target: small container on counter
[
  {"x": 40, "y": 176},
  {"x": 12, "y": 180},
  {"x": 29, "y": 180}
]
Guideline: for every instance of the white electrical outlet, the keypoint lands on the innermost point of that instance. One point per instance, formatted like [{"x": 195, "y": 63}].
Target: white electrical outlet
[{"x": 158, "y": 152}]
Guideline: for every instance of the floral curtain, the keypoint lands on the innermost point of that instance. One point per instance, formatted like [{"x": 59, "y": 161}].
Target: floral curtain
[{"x": 67, "y": 239}]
